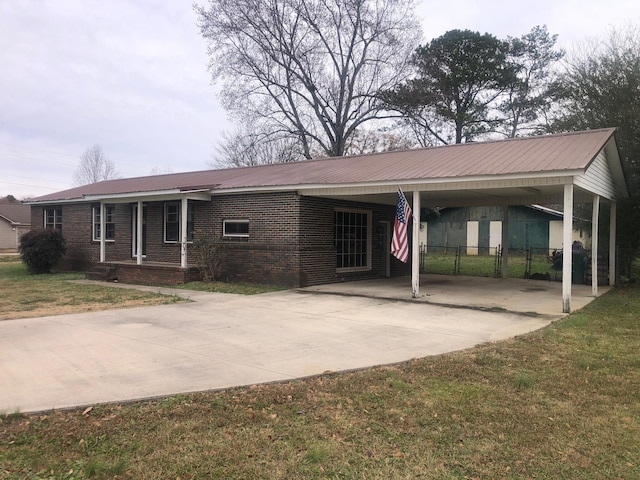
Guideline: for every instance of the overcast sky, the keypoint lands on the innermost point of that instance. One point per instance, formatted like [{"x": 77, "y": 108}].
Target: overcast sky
[{"x": 131, "y": 75}]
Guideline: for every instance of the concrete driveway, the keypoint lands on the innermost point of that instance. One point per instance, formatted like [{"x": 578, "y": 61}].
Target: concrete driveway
[{"x": 223, "y": 340}]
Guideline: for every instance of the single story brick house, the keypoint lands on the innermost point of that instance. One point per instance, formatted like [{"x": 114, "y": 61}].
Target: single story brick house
[{"x": 324, "y": 220}]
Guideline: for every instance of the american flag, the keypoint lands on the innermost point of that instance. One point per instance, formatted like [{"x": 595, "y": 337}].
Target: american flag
[{"x": 400, "y": 242}]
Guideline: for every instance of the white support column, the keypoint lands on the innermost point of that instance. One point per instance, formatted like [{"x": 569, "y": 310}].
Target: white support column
[
  {"x": 183, "y": 232},
  {"x": 103, "y": 233},
  {"x": 594, "y": 244},
  {"x": 567, "y": 237},
  {"x": 505, "y": 241},
  {"x": 139, "y": 233},
  {"x": 415, "y": 247},
  {"x": 612, "y": 244}
]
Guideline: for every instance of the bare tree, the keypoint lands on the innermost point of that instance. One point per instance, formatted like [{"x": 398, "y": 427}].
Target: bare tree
[
  {"x": 251, "y": 145},
  {"x": 158, "y": 170},
  {"x": 309, "y": 69},
  {"x": 366, "y": 141},
  {"x": 94, "y": 167}
]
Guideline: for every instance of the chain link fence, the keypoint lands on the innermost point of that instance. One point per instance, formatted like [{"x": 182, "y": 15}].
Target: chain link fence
[{"x": 533, "y": 263}]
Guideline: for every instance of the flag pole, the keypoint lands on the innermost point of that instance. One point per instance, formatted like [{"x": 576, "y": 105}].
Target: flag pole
[
  {"x": 415, "y": 247},
  {"x": 400, "y": 239}
]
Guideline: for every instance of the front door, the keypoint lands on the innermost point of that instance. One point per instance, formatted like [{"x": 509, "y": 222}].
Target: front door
[{"x": 134, "y": 236}]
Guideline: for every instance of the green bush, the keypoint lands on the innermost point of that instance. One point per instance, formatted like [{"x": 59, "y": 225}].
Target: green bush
[{"x": 41, "y": 250}]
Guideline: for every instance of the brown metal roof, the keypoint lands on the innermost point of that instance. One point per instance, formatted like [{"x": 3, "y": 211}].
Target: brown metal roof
[
  {"x": 530, "y": 155},
  {"x": 17, "y": 213}
]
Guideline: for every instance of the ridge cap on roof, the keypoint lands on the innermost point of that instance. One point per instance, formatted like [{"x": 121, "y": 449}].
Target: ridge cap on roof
[
  {"x": 432, "y": 147},
  {"x": 387, "y": 152}
]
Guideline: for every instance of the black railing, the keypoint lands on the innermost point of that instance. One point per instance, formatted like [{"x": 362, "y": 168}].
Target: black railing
[{"x": 534, "y": 263}]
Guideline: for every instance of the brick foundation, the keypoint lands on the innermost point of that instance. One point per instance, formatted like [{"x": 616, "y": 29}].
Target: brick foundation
[{"x": 154, "y": 274}]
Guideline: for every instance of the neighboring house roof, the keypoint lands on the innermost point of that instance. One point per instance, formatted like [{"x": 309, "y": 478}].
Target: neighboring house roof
[
  {"x": 550, "y": 211},
  {"x": 16, "y": 213},
  {"x": 551, "y": 155}
]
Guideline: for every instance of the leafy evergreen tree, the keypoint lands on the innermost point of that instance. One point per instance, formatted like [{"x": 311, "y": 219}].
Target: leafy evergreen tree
[
  {"x": 601, "y": 88},
  {"x": 459, "y": 76}
]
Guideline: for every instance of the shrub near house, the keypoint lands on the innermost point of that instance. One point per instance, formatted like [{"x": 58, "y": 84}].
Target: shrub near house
[{"x": 41, "y": 250}]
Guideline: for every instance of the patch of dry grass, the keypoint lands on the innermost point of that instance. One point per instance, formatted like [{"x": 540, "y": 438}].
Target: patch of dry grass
[
  {"x": 23, "y": 295},
  {"x": 560, "y": 403}
]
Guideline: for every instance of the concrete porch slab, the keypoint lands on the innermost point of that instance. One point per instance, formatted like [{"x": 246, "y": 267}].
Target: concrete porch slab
[{"x": 531, "y": 297}]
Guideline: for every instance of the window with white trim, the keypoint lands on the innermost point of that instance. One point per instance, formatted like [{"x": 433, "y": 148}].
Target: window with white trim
[
  {"x": 171, "y": 222},
  {"x": 235, "y": 228},
  {"x": 172, "y": 213},
  {"x": 109, "y": 223},
  {"x": 353, "y": 239},
  {"x": 53, "y": 218}
]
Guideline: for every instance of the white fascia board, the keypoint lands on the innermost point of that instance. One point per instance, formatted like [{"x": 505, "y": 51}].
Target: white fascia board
[
  {"x": 114, "y": 197},
  {"x": 157, "y": 195},
  {"x": 459, "y": 183},
  {"x": 131, "y": 195},
  {"x": 390, "y": 186},
  {"x": 613, "y": 158},
  {"x": 56, "y": 202}
]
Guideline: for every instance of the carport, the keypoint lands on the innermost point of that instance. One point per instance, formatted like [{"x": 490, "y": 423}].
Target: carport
[
  {"x": 565, "y": 169},
  {"x": 308, "y": 202},
  {"x": 535, "y": 299}
]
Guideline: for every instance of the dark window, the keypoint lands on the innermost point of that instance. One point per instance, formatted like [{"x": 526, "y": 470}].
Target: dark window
[
  {"x": 172, "y": 222},
  {"x": 352, "y": 239},
  {"x": 235, "y": 228},
  {"x": 109, "y": 222},
  {"x": 53, "y": 218}
]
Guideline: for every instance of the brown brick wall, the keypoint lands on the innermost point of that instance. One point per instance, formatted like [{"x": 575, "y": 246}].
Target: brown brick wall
[
  {"x": 270, "y": 253},
  {"x": 317, "y": 245},
  {"x": 155, "y": 274},
  {"x": 76, "y": 229},
  {"x": 290, "y": 243}
]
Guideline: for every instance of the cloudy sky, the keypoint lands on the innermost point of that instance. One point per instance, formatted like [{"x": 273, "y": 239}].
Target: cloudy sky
[{"x": 131, "y": 75}]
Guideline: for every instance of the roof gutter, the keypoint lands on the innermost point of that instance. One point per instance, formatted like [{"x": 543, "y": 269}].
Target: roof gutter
[
  {"x": 391, "y": 186},
  {"x": 172, "y": 194}
]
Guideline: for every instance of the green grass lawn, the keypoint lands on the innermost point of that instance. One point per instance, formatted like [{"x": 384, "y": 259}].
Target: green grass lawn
[
  {"x": 23, "y": 295},
  {"x": 559, "y": 403},
  {"x": 485, "y": 265},
  {"x": 224, "y": 287}
]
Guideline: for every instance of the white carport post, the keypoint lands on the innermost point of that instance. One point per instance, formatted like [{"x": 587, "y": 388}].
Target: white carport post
[
  {"x": 594, "y": 244},
  {"x": 415, "y": 247},
  {"x": 103, "y": 235},
  {"x": 183, "y": 232},
  {"x": 567, "y": 237},
  {"x": 612, "y": 243},
  {"x": 139, "y": 233}
]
